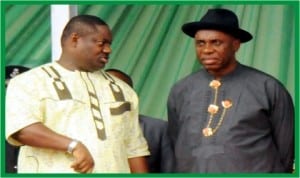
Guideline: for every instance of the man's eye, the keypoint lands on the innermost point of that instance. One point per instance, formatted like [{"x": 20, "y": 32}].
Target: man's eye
[
  {"x": 100, "y": 43},
  {"x": 217, "y": 43},
  {"x": 200, "y": 43}
]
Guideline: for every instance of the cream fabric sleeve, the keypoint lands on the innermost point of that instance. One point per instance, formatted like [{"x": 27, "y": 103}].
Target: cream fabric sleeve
[
  {"x": 22, "y": 105},
  {"x": 136, "y": 143}
]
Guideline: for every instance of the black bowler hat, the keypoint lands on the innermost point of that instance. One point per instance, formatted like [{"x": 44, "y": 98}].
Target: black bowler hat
[
  {"x": 13, "y": 70},
  {"x": 218, "y": 19}
]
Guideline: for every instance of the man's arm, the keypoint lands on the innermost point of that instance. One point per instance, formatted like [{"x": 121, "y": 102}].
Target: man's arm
[
  {"x": 138, "y": 165},
  {"x": 38, "y": 135},
  {"x": 282, "y": 120}
]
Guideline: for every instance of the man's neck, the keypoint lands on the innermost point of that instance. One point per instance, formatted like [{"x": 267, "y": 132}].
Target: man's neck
[{"x": 221, "y": 73}]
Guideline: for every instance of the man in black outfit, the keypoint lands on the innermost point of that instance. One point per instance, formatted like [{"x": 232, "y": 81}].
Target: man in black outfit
[{"x": 228, "y": 117}]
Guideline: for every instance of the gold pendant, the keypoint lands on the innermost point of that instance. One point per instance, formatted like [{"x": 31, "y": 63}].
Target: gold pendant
[{"x": 207, "y": 132}]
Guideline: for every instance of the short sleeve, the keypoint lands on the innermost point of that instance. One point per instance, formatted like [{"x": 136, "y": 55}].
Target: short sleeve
[{"x": 22, "y": 107}]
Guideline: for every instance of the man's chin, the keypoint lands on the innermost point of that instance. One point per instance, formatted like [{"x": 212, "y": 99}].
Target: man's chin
[
  {"x": 96, "y": 67},
  {"x": 211, "y": 67}
]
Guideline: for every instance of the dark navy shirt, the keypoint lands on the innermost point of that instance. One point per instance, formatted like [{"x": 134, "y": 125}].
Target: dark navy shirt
[{"x": 256, "y": 134}]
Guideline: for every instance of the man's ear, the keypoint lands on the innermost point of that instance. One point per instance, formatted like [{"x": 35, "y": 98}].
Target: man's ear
[
  {"x": 74, "y": 39},
  {"x": 236, "y": 45}
]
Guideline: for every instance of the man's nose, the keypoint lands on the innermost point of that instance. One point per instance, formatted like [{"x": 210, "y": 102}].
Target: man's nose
[
  {"x": 208, "y": 48},
  {"x": 107, "y": 48}
]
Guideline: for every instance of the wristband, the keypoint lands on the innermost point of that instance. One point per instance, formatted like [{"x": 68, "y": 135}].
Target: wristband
[{"x": 72, "y": 146}]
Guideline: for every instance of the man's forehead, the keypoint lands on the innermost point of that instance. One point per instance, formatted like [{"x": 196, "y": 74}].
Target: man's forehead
[
  {"x": 102, "y": 32},
  {"x": 211, "y": 34}
]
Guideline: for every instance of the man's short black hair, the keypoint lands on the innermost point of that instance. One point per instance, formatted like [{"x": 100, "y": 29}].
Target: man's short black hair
[{"x": 81, "y": 24}]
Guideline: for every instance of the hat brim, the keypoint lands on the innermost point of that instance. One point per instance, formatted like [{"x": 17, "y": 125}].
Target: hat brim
[{"x": 191, "y": 28}]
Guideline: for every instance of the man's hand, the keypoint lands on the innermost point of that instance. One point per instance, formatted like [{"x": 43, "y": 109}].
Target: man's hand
[{"x": 83, "y": 162}]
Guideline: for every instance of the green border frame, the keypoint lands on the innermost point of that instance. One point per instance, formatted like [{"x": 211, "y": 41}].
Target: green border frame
[{"x": 3, "y": 3}]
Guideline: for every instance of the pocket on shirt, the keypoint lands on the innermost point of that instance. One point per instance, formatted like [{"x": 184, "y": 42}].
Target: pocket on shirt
[{"x": 118, "y": 118}]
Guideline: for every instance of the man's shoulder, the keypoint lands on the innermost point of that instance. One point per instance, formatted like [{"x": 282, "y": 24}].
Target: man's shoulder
[
  {"x": 152, "y": 120},
  {"x": 189, "y": 80},
  {"x": 258, "y": 74},
  {"x": 32, "y": 74},
  {"x": 153, "y": 128}
]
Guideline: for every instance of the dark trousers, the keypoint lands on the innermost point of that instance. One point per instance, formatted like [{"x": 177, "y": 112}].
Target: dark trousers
[{"x": 11, "y": 158}]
